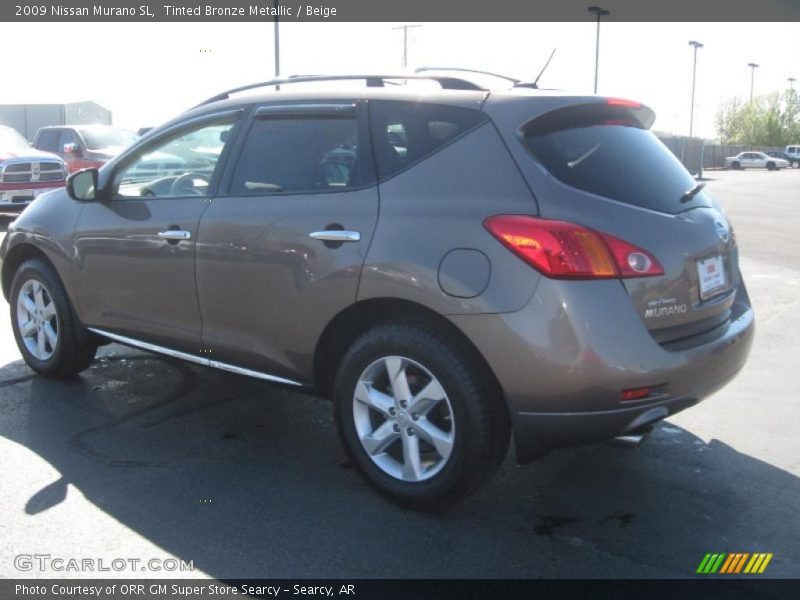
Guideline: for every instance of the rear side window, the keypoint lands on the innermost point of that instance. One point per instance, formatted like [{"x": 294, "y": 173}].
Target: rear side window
[
  {"x": 48, "y": 140},
  {"x": 300, "y": 154},
  {"x": 404, "y": 133},
  {"x": 612, "y": 156}
]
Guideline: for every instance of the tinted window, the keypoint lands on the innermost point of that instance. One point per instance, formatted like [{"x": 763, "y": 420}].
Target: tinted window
[
  {"x": 177, "y": 166},
  {"x": 48, "y": 140},
  {"x": 614, "y": 158},
  {"x": 299, "y": 154},
  {"x": 404, "y": 133}
]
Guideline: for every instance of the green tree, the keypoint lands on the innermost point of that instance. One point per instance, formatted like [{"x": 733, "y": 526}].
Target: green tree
[{"x": 770, "y": 120}]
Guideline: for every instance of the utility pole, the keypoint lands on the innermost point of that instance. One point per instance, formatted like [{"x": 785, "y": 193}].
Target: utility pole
[
  {"x": 599, "y": 12},
  {"x": 405, "y": 29},
  {"x": 791, "y": 81},
  {"x": 277, "y": 51},
  {"x": 753, "y": 67},
  {"x": 694, "y": 79}
]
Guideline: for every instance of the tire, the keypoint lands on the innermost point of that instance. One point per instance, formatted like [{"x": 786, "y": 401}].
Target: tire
[
  {"x": 58, "y": 346},
  {"x": 795, "y": 164},
  {"x": 736, "y": 165},
  {"x": 469, "y": 422},
  {"x": 771, "y": 166}
]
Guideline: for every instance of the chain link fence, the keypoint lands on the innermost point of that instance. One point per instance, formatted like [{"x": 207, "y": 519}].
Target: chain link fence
[{"x": 690, "y": 150}]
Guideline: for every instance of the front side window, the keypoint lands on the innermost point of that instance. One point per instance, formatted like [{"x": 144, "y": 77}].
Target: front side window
[
  {"x": 183, "y": 165},
  {"x": 67, "y": 137},
  {"x": 317, "y": 153}
]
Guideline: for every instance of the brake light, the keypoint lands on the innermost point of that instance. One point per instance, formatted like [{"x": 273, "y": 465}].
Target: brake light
[
  {"x": 563, "y": 250},
  {"x": 623, "y": 102}
]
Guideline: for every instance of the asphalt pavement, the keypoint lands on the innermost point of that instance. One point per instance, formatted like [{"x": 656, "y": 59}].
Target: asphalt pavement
[{"x": 146, "y": 457}]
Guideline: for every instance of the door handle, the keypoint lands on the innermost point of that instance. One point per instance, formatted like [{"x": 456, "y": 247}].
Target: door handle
[
  {"x": 175, "y": 235},
  {"x": 336, "y": 235}
]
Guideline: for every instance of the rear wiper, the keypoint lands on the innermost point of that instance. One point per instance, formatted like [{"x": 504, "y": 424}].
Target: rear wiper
[{"x": 692, "y": 193}]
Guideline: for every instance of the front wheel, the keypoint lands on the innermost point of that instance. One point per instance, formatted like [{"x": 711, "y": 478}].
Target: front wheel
[
  {"x": 771, "y": 166},
  {"x": 736, "y": 166},
  {"x": 47, "y": 334},
  {"x": 420, "y": 416}
]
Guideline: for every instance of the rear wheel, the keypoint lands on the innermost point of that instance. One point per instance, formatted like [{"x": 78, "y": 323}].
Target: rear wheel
[
  {"x": 47, "y": 334},
  {"x": 421, "y": 419},
  {"x": 795, "y": 164}
]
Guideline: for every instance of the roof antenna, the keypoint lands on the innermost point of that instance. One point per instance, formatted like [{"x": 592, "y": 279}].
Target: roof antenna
[{"x": 536, "y": 81}]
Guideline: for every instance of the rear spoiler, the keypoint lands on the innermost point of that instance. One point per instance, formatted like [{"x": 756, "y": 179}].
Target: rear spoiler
[{"x": 594, "y": 112}]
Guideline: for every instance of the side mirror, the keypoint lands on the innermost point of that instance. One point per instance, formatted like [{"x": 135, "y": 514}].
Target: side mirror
[
  {"x": 71, "y": 149},
  {"x": 82, "y": 186}
]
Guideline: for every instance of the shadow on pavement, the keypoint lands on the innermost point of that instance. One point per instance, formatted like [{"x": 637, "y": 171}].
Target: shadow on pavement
[{"x": 248, "y": 480}]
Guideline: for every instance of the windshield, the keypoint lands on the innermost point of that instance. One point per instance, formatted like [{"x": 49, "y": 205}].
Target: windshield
[
  {"x": 104, "y": 138},
  {"x": 615, "y": 159},
  {"x": 11, "y": 141}
]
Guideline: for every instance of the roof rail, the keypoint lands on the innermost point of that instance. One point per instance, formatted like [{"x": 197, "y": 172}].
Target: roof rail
[
  {"x": 372, "y": 81},
  {"x": 463, "y": 70}
]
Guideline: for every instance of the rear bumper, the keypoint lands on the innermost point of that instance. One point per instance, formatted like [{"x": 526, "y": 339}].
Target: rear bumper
[
  {"x": 538, "y": 433},
  {"x": 564, "y": 359}
]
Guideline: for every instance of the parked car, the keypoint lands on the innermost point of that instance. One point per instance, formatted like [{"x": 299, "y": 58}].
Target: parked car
[
  {"x": 779, "y": 154},
  {"x": 447, "y": 268},
  {"x": 84, "y": 146},
  {"x": 793, "y": 155},
  {"x": 755, "y": 160},
  {"x": 25, "y": 172}
]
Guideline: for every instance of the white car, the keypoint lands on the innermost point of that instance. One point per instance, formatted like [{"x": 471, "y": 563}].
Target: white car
[{"x": 755, "y": 160}]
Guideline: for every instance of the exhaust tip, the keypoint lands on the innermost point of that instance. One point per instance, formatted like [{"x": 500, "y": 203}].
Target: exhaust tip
[{"x": 634, "y": 438}]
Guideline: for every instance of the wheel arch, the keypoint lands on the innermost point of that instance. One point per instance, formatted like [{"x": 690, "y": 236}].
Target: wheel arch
[
  {"x": 352, "y": 322},
  {"x": 17, "y": 255}
]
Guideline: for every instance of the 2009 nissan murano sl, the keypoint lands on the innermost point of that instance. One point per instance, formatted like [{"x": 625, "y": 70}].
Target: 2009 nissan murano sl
[{"x": 449, "y": 265}]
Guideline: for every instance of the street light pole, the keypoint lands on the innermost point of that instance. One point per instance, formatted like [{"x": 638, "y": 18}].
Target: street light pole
[
  {"x": 694, "y": 79},
  {"x": 598, "y": 12},
  {"x": 753, "y": 67},
  {"x": 277, "y": 51},
  {"x": 791, "y": 83},
  {"x": 405, "y": 29}
]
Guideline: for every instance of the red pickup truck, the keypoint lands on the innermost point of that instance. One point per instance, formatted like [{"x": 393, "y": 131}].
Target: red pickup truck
[{"x": 25, "y": 172}]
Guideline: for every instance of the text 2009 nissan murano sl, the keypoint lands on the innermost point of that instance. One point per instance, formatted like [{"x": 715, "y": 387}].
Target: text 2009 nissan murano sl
[{"x": 449, "y": 266}]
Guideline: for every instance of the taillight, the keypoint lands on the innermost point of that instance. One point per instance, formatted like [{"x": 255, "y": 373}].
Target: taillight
[{"x": 563, "y": 250}]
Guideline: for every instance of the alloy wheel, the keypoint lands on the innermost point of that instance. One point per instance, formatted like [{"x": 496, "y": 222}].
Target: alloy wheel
[
  {"x": 37, "y": 319},
  {"x": 403, "y": 418}
]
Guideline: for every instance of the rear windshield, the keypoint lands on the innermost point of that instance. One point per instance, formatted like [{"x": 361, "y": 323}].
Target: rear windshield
[{"x": 614, "y": 158}]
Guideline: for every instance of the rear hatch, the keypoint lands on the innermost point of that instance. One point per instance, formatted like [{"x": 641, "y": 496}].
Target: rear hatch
[{"x": 595, "y": 163}]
